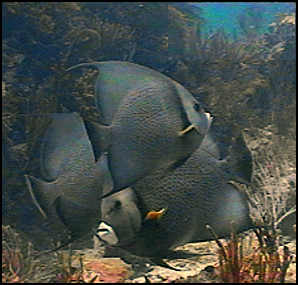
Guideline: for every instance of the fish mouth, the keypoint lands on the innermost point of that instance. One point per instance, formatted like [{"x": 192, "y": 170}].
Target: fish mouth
[{"x": 107, "y": 234}]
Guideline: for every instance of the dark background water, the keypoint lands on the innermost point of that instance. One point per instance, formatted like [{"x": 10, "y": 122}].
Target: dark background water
[{"x": 225, "y": 15}]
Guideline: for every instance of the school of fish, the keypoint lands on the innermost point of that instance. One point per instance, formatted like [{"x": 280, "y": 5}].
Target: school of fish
[{"x": 148, "y": 176}]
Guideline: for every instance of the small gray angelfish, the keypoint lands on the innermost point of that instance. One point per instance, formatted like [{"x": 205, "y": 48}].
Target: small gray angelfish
[{"x": 69, "y": 191}]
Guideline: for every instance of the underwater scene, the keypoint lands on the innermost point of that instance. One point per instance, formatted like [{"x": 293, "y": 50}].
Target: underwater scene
[{"x": 149, "y": 142}]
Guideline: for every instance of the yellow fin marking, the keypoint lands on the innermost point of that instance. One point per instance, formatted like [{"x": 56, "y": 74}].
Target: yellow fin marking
[
  {"x": 155, "y": 215},
  {"x": 189, "y": 128}
]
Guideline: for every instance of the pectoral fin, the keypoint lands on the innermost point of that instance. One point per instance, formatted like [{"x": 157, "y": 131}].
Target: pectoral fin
[
  {"x": 186, "y": 130},
  {"x": 155, "y": 215}
]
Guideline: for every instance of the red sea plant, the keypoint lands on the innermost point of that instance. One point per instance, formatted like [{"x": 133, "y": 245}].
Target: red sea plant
[
  {"x": 263, "y": 264},
  {"x": 17, "y": 258}
]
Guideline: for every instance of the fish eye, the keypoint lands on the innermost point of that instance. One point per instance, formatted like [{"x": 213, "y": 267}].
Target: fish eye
[
  {"x": 117, "y": 204},
  {"x": 197, "y": 107}
]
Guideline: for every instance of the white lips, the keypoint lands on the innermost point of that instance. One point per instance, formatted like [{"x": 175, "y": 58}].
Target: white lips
[
  {"x": 209, "y": 119},
  {"x": 107, "y": 234}
]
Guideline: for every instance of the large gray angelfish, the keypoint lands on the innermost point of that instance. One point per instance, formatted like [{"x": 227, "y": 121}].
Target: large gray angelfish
[
  {"x": 72, "y": 183},
  {"x": 151, "y": 121},
  {"x": 175, "y": 208}
]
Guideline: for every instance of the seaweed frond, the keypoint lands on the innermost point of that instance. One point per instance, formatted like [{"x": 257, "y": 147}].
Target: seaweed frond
[
  {"x": 262, "y": 262},
  {"x": 18, "y": 263}
]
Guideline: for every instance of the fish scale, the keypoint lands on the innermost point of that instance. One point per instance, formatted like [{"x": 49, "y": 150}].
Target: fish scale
[{"x": 147, "y": 141}]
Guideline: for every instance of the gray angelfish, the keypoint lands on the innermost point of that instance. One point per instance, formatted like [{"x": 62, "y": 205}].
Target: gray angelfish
[
  {"x": 72, "y": 183},
  {"x": 196, "y": 193},
  {"x": 176, "y": 207},
  {"x": 152, "y": 121}
]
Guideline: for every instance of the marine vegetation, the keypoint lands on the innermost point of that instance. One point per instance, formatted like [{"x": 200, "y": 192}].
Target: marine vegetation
[
  {"x": 273, "y": 201},
  {"x": 18, "y": 264},
  {"x": 67, "y": 273},
  {"x": 240, "y": 262}
]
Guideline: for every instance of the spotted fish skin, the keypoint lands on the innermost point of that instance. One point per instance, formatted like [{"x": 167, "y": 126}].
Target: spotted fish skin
[
  {"x": 145, "y": 112},
  {"x": 69, "y": 191},
  {"x": 195, "y": 194},
  {"x": 156, "y": 140}
]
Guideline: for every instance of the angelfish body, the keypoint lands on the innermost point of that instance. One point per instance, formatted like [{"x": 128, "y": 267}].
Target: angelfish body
[
  {"x": 72, "y": 182},
  {"x": 194, "y": 194},
  {"x": 146, "y": 113}
]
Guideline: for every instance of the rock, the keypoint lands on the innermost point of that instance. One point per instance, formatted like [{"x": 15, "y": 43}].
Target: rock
[{"x": 110, "y": 270}]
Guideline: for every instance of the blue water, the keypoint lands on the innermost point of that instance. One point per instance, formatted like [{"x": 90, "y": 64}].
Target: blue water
[{"x": 224, "y": 15}]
